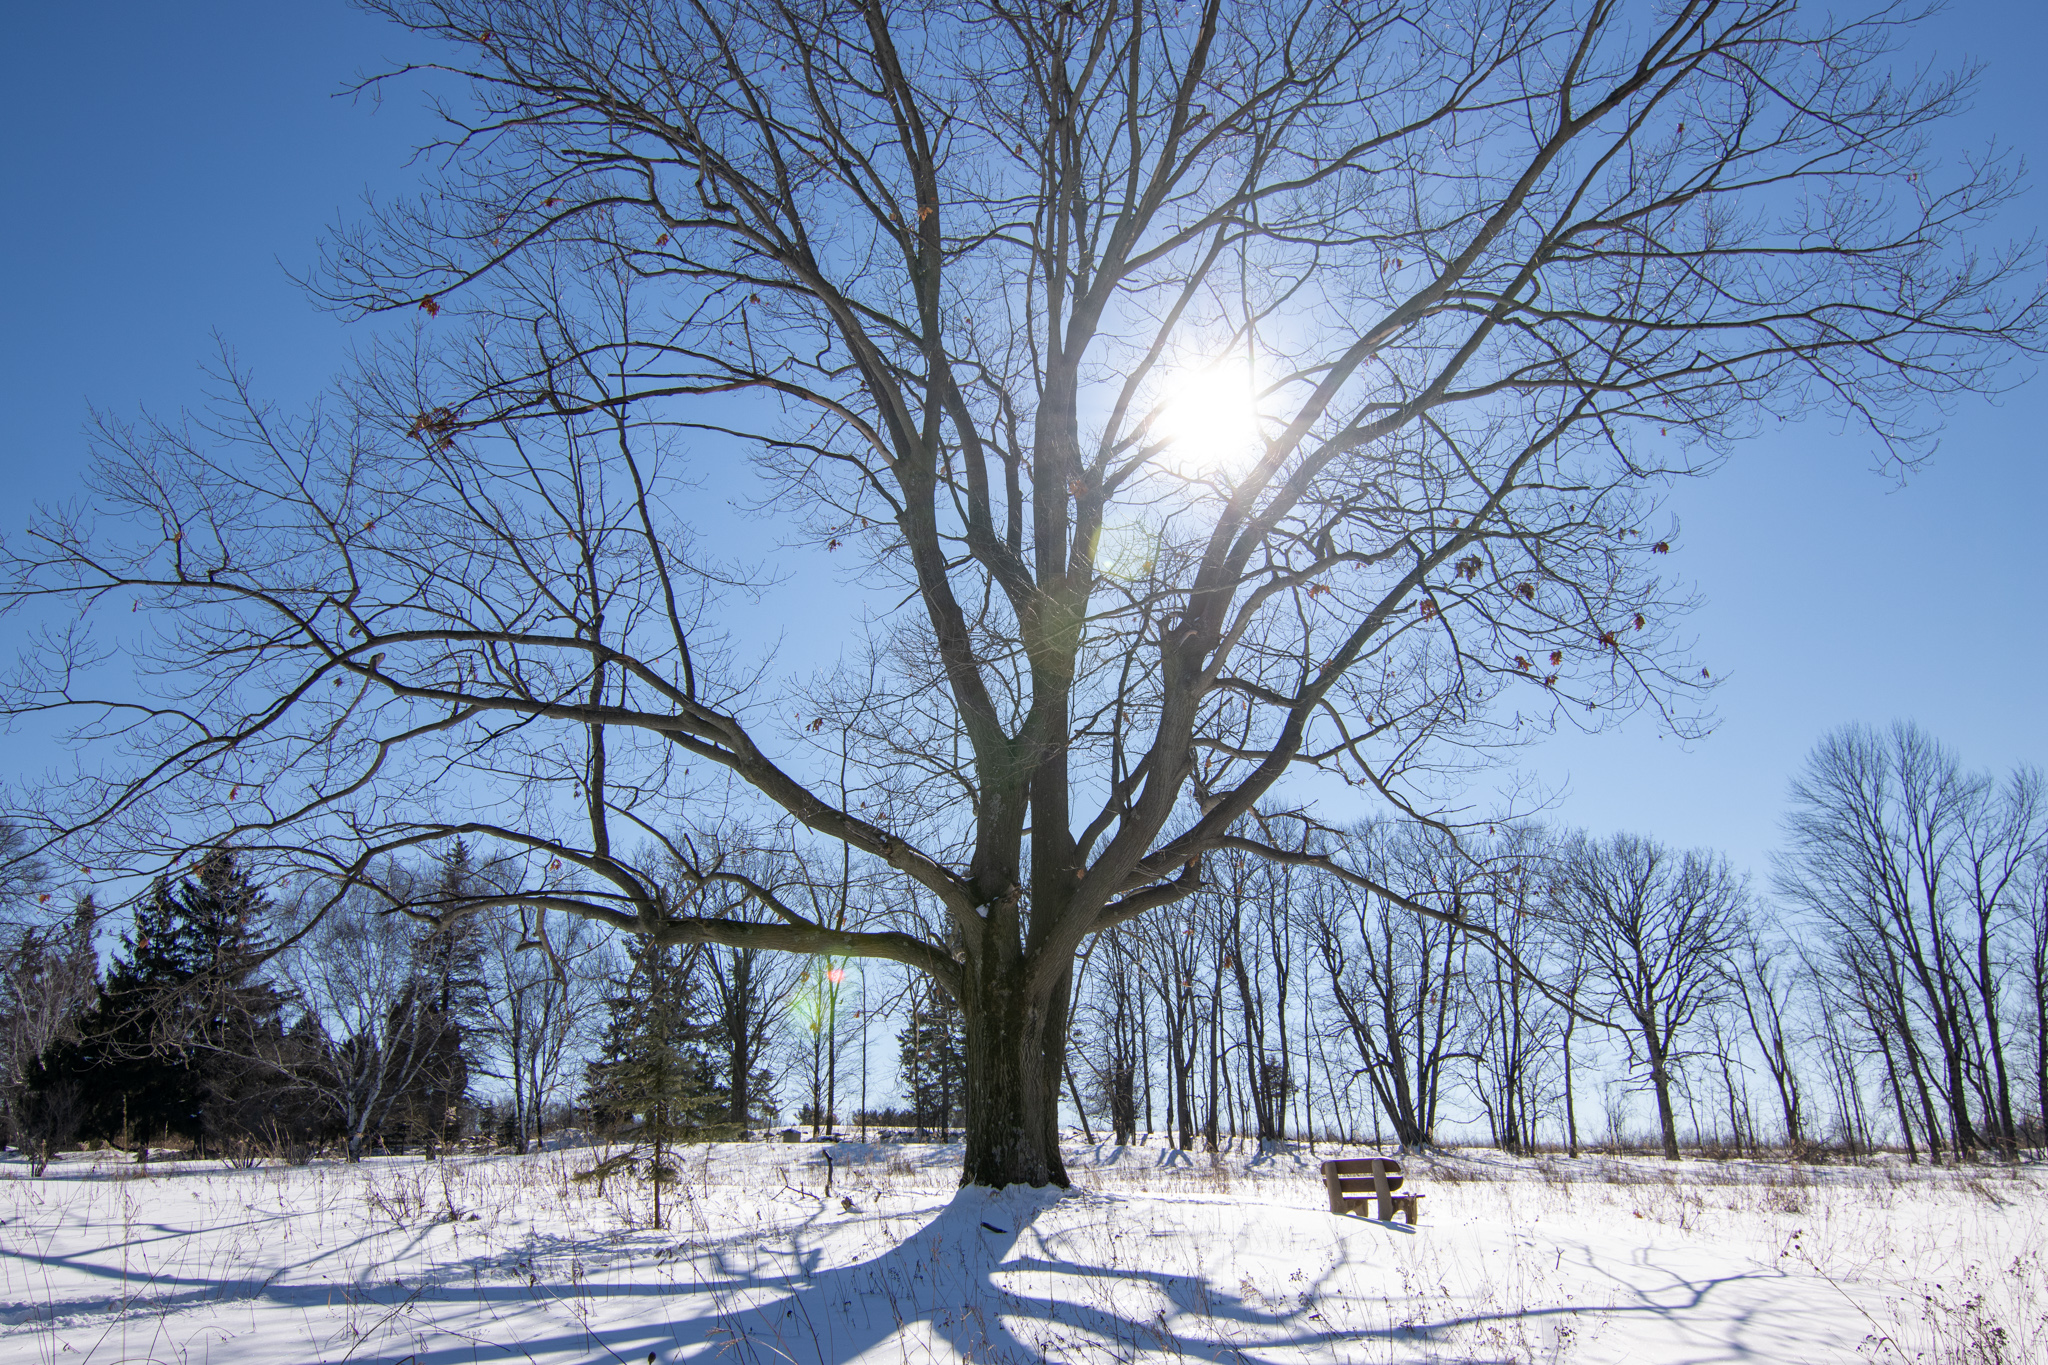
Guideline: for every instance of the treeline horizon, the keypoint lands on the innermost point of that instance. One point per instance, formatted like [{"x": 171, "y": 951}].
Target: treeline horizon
[
  {"x": 1888, "y": 988},
  {"x": 250, "y": 1026}
]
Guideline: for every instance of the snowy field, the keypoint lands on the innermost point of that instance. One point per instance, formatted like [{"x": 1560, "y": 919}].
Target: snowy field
[{"x": 1156, "y": 1257}]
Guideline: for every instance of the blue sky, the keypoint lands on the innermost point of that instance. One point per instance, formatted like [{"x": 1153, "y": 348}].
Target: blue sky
[{"x": 169, "y": 166}]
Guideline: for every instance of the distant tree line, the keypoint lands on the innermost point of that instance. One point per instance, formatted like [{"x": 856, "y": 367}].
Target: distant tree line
[
  {"x": 232, "y": 1023},
  {"x": 215, "y": 1025},
  {"x": 226, "y": 1023},
  {"x": 1889, "y": 987}
]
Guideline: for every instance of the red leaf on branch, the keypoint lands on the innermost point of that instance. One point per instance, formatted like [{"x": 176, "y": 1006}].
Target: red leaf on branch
[
  {"x": 430, "y": 306},
  {"x": 1556, "y": 656},
  {"x": 1662, "y": 547}
]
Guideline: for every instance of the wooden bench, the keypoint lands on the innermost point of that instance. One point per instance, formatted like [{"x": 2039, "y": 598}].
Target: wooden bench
[{"x": 1352, "y": 1182}]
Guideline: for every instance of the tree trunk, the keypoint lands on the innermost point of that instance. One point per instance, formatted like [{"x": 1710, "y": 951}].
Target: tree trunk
[
  {"x": 739, "y": 1093},
  {"x": 1660, "y": 1082},
  {"x": 2038, "y": 970},
  {"x": 1917, "y": 1071},
  {"x": 2002, "y": 1120},
  {"x": 519, "y": 1088},
  {"x": 1015, "y": 1047},
  {"x": 1571, "y": 1110},
  {"x": 1905, "y": 1112},
  {"x": 1081, "y": 1110},
  {"x": 1145, "y": 1052}
]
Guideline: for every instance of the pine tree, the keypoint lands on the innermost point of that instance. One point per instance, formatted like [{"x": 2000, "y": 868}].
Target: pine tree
[
  {"x": 653, "y": 1077},
  {"x": 175, "y": 1042},
  {"x": 231, "y": 1021},
  {"x": 933, "y": 1059},
  {"x": 444, "y": 1001}
]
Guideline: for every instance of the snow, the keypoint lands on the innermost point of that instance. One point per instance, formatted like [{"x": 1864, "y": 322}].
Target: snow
[{"x": 1155, "y": 1255}]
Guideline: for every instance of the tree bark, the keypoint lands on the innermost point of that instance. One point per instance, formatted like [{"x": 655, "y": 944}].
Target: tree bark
[
  {"x": 1015, "y": 1054},
  {"x": 1667, "y": 1119}
]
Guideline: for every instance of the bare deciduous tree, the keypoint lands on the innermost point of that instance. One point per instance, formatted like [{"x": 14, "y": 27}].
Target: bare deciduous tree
[
  {"x": 359, "y": 1048},
  {"x": 1916, "y": 867},
  {"x": 1398, "y": 980},
  {"x": 1656, "y": 930},
  {"x": 1764, "y": 983},
  {"x": 1219, "y": 390},
  {"x": 1519, "y": 1027},
  {"x": 48, "y": 977},
  {"x": 545, "y": 989},
  {"x": 2033, "y": 929},
  {"x": 1113, "y": 1053}
]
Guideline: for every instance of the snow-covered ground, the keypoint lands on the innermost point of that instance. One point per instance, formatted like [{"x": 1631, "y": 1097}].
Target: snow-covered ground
[{"x": 1154, "y": 1256}]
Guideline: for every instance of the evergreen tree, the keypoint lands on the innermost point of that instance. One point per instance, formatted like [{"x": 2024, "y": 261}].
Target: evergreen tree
[
  {"x": 229, "y": 1020},
  {"x": 933, "y": 1059},
  {"x": 174, "y": 1044},
  {"x": 653, "y": 1077},
  {"x": 443, "y": 1003}
]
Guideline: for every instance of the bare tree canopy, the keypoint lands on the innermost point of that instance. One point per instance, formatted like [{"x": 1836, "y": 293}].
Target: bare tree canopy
[
  {"x": 1219, "y": 391},
  {"x": 1657, "y": 930},
  {"x": 1913, "y": 868}
]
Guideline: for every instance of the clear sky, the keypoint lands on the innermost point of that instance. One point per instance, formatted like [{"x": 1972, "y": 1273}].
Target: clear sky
[{"x": 169, "y": 166}]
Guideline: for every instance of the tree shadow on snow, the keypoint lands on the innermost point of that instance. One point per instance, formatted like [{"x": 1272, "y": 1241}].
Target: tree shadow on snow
[{"x": 976, "y": 1282}]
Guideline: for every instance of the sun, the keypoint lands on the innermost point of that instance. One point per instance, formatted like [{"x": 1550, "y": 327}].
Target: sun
[{"x": 1209, "y": 419}]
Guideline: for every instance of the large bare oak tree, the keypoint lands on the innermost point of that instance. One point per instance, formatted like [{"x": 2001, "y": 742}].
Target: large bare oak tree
[{"x": 1207, "y": 392}]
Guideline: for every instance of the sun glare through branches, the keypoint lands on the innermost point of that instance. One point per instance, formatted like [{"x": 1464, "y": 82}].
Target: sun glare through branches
[{"x": 1210, "y": 419}]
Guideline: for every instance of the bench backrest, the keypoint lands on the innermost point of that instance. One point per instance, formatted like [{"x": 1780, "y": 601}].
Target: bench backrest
[{"x": 1362, "y": 1175}]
